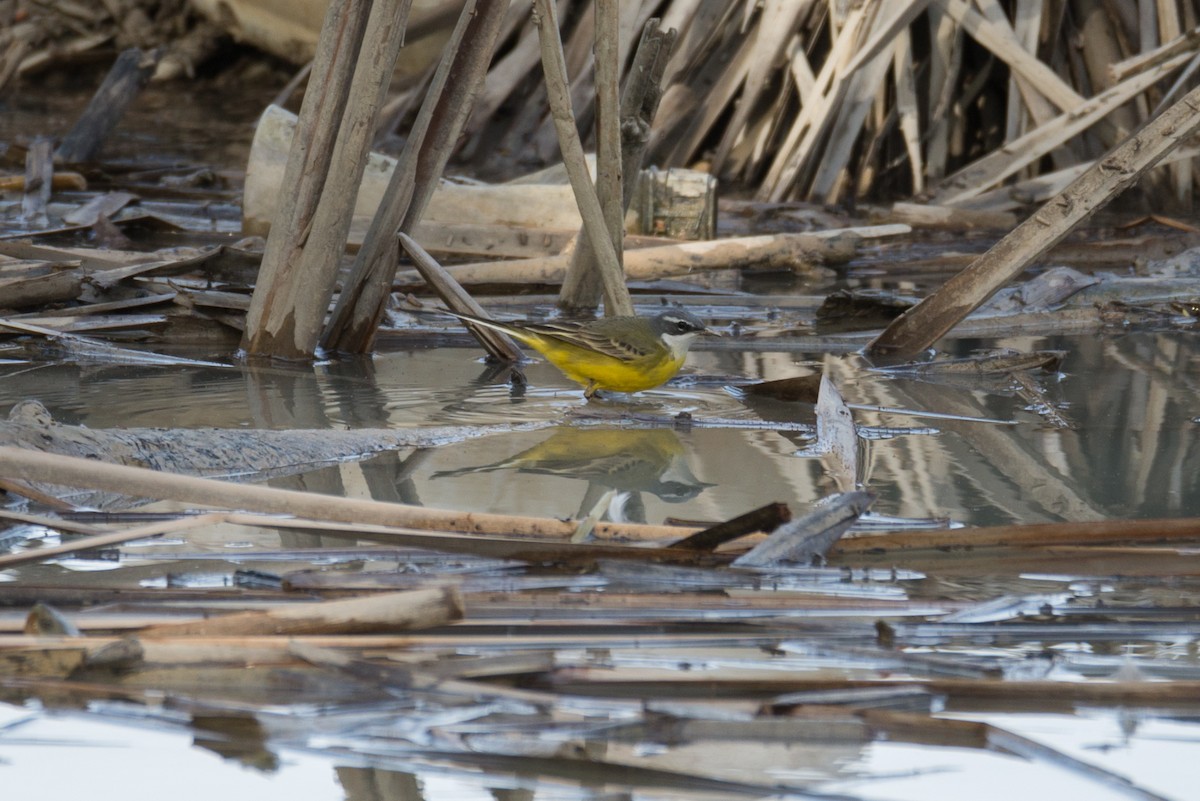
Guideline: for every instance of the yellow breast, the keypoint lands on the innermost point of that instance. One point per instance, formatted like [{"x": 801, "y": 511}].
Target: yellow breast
[{"x": 605, "y": 372}]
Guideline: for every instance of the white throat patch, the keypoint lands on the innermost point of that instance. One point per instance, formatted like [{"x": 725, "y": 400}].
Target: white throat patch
[{"x": 679, "y": 343}]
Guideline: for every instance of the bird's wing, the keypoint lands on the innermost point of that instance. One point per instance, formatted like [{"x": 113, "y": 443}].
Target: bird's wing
[{"x": 594, "y": 337}]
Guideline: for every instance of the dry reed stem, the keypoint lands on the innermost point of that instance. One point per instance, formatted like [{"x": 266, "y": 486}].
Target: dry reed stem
[
  {"x": 616, "y": 295},
  {"x": 272, "y": 328},
  {"x": 377, "y": 613},
  {"x": 448, "y": 101},
  {"x": 924, "y": 324}
]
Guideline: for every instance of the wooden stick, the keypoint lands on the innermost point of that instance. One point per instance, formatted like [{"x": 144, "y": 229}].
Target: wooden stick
[
  {"x": 498, "y": 346},
  {"x": 72, "y": 471},
  {"x": 393, "y": 611},
  {"x": 63, "y": 180},
  {"x": 585, "y": 681},
  {"x": 155, "y": 529},
  {"x": 129, "y": 73},
  {"x": 52, "y": 522},
  {"x": 1187, "y": 43},
  {"x": 925, "y": 323},
  {"x": 1071, "y": 533},
  {"x": 799, "y": 253},
  {"x": 582, "y": 286},
  {"x": 616, "y": 295},
  {"x": 765, "y": 518}
]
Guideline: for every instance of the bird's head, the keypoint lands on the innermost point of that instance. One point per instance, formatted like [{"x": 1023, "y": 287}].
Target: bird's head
[{"x": 677, "y": 328}]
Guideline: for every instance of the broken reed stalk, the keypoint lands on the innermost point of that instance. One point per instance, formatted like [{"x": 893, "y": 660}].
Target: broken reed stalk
[
  {"x": 155, "y": 529},
  {"x": 140, "y": 482},
  {"x": 582, "y": 287},
  {"x": 304, "y": 287},
  {"x": 498, "y": 346},
  {"x": 1090, "y": 532},
  {"x": 640, "y": 98},
  {"x": 616, "y": 295},
  {"x": 448, "y": 101},
  {"x": 921, "y": 326},
  {"x": 376, "y": 613},
  {"x": 609, "y": 180},
  {"x": 39, "y": 180},
  {"x": 810, "y": 537},
  {"x": 991, "y": 170},
  {"x": 272, "y": 327},
  {"x": 765, "y": 518},
  {"x": 128, "y": 75}
]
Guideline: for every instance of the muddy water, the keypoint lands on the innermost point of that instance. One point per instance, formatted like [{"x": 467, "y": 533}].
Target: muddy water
[{"x": 1131, "y": 451}]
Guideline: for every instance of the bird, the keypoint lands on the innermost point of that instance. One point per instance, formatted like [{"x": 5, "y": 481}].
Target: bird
[{"x": 620, "y": 354}]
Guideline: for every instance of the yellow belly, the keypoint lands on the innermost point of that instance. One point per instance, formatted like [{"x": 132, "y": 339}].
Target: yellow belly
[{"x": 604, "y": 372}]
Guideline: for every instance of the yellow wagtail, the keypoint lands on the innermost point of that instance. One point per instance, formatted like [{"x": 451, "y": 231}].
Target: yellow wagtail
[{"x": 622, "y": 354}]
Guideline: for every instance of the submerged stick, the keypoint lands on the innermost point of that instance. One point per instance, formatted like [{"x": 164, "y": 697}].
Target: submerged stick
[
  {"x": 1090, "y": 532},
  {"x": 921, "y": 326},
  {"x": 393, "y": 611},
  {"x": 155, "y": 529},
  {"x": 72, "y": 471}
]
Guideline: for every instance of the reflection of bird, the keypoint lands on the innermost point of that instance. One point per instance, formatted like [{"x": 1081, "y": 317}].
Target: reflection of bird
[
  {"x": 622, "y": 459},
  {"x": 623, "y": 354}
]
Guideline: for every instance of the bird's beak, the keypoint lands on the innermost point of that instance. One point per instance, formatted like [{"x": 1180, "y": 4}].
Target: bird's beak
[{"x": 711, "y": 332}]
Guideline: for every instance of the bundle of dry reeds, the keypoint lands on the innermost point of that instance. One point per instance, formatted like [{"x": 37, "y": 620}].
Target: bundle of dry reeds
[
  {"x": 974, "y": 104},
  {"x": 40, "y": 35},
  {"x": 826, "y": 100}
]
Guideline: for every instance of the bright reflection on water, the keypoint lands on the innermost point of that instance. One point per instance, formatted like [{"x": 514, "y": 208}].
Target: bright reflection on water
[
  {"x": 145, "y": 756},
  {"x": 64, "y": 755},
  {"x": 1131, "y": 452}
]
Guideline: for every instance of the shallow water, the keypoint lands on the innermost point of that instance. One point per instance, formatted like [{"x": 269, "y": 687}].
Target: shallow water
[{"x": 1132, "y": 400}]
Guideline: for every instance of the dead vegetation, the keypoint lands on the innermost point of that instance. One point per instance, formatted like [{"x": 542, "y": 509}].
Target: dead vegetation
[{"x": 557, "y": 647}]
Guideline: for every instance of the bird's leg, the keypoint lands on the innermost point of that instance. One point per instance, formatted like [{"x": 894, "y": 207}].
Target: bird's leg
[{"x": 590, "y": 391}]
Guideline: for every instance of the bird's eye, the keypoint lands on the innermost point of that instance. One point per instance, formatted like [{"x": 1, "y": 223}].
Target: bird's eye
[{"x": 682, "y": 326}]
